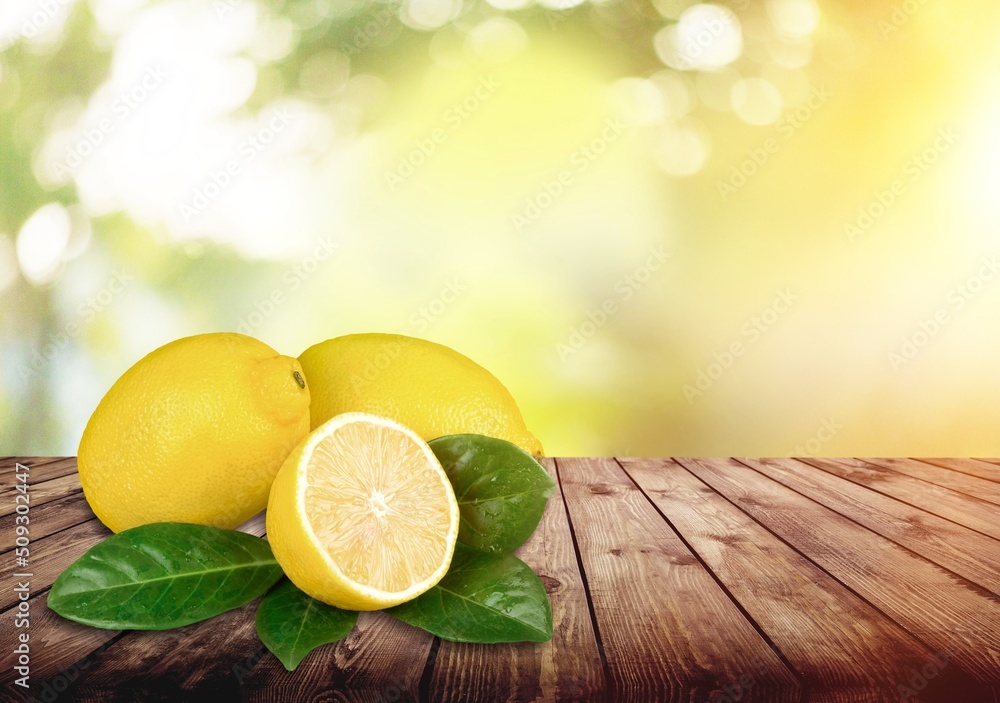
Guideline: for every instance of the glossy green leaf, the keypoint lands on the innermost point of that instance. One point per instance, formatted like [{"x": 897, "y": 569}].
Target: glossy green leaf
[
  {"x": 501, "y": 490},
  {"x": 292, "y": 624},
  {"x": 483, "y": 598},
  {"x": 164, "y": 575}
]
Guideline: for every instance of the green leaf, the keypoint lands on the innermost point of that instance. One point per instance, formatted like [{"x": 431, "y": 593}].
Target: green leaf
[
  {"x": 164, "y": 575},
  {"x": 501, "y": 490},
  {"x": 483, "y": 598},
  {"x": 292, "y": 624}
]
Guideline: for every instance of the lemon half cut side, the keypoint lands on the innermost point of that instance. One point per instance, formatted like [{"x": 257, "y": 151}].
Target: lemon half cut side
[{"x": 361, "y": 514}]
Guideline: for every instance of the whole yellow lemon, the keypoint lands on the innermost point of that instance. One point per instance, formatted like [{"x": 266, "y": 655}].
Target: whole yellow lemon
[
  {"x": 427, "y": 387},
  {"x": 193, "y": 432}
]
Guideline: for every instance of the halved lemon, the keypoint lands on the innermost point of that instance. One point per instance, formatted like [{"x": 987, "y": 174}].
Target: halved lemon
[{"x": 361, "y": 515}]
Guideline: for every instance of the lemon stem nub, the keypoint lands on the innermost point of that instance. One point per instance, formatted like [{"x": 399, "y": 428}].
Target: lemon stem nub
[{"x": 298, "y": 379}]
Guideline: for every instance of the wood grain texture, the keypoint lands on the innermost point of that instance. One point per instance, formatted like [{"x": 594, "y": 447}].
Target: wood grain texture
[
  {"x": 41, "y": 493},
  {"x": 39, "y": 469},
  {"x": 966, "y": 552},
  {"x": 174, "y": 664},
  {"x": 62, "y": 528},
  {"x": 567, "y": 668},
  {"x": 382, "y": 660},
  {"x": 983, "y": 468},
  {"x": 76, "y": 655},
  {"x": 843, "y": 648},
  {"x": 47, "y": 519},
  {"x": 9, "y": 462},
  {"x": 819, "y": 583},
  {"x": 669, "y": 632},
  {"x": 62, "y": 652},
  {"x": 962, "y": 483},
  {"x": 911, "y": 590},
  {"x": 50, "y": 557},
  {"x": 974, "y": 513}
]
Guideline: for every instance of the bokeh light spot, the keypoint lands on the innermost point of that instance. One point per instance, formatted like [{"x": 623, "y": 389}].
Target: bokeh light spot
[
  {"x": 797, "y": 18},
  {"x": 706, "y": 36},
  {"x": 560, "y": 4},
  {"x": 509, "y": 4},
  {"x": 42, "y": 243},
  {"x": 675, "y": 91},
  {"x": 430, "y": 14},
  {"x": 275, "y": 39},
  {"x": 498, "y": 39},
  {"x": 682, "y": 149},
  {"x": 637, "y": 100},
  {"x": 756, "y": 101},
  {"x": 325, "y": 73}
]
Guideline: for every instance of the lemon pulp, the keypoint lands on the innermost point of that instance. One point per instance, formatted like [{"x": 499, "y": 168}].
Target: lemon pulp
[
  {"x": 376, "y": 506},
  {"x": 361, "y": 515}
]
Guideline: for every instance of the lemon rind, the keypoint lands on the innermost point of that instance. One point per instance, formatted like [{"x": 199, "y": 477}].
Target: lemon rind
[{"x": 385, "y": 598}]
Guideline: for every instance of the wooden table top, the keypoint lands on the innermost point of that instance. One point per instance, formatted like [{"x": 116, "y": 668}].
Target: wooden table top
[{"x": 712, "y": 580}]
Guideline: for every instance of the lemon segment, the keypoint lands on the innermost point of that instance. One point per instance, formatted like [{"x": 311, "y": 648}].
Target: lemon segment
[{"x": 361, "y": 514}]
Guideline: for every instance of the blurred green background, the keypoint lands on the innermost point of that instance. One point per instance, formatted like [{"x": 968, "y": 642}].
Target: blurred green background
[{"x": 760, "y": 228}]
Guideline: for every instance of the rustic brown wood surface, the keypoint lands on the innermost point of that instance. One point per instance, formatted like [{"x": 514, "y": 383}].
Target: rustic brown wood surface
[{"x": 715, "y": 580}]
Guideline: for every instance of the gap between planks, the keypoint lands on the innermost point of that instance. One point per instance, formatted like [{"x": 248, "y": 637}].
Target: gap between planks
[
  {"x": 966, "y": 484},
  {"x": 38, "y": 472},
  {"x": 966, "y": 552},
  {"x": 725, "y": 588},
  {"x": 682, "y": 638},
  {"x": 961, "y": 509},
  {"x": 942, "y": 610},
  {"x": 845, "y": 648},
  {"x": 982, "y": 468},
  {"x": 429, "y": 663}
]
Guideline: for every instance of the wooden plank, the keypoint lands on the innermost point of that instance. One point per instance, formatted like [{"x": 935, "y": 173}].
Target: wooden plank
[
  {"x": 41, "y": 493},
  {"x": 836, "y": 641},
  {"x": 974, "y": 467},
  {"x": 56, "y": 468},
  {"x": 226, "y": 661},
  {"x": 75, "y": 655},
  {"x": 651, "y": 606},
  {"x": 966, "y": 552},
  {"x": 39, "y": 469},
  {"x": 382, "y": 660},
  {"x": 669, "y": 632},
  {"x": 50, "y": 557},
  {"x": 61, "y": 649},
  {"x": 257, "y": 525},
  {"x": 61, "y": 652},
  {"x": 959, "y": 482},
  {"x": 47, "y": 519},
  {"x": 568, "y": 667},
  {"x": 173, "y": 664},
  {"x": 8, "y": 463},
  {"x": 944, "y": 611},
  {"x": 980, "y": 515}
]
